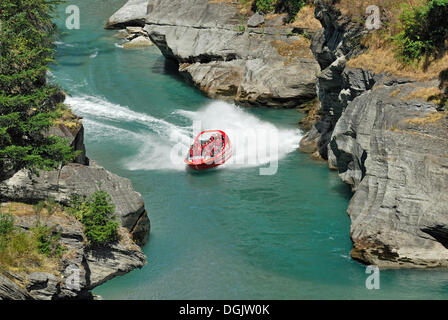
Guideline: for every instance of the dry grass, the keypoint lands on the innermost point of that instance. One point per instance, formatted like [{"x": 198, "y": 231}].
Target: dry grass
[
  {"x": 223, "y": 1},
  {"x": 244, "y": 5},
  {"x": 395, "y": 92},
  {"x": 431, "y": 118},
  {"x": 305, "y": 19},
  {"x": 19, "y": 209},
  {"x": 299, "y": 48},
  {"x": 67, "y": 118},
  {"x": 272, "y": 16},
  {"x": 380, "y": 58},
  {"x": 390, "y": 9},
  {"x": 426, "y": 94},
  {"x": 20, "y": 252}
]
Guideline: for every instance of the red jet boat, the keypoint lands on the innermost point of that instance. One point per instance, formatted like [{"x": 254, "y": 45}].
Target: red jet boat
[{"x": 210, "y": 149}]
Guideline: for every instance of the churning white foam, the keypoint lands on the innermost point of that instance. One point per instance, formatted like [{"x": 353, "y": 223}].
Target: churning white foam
[{"x": 161, "y": 144}]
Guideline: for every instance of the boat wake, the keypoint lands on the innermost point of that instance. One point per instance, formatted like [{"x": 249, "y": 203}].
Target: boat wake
[{"x": 162, "y": 144}]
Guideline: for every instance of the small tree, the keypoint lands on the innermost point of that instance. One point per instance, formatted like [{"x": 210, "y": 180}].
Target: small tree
[
  {"x": 97, "y": 216},
  {"x": 6, "y": 224}
]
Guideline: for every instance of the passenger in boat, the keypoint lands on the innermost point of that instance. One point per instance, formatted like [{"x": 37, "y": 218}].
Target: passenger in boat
[
  {"x": 206, "y": 150},
  {"x": 212, "y": 145},
  {"x": 195, "y": 150},
  {"x": 219, "y": 141}
]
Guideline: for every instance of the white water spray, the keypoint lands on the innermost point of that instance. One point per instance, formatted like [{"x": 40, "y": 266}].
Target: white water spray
[{"x": 163, "y": 145}]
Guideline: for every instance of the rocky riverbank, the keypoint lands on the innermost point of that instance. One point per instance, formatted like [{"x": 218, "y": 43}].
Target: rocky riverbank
[
  {"x": 385, "y": 141},
  {"x": 93, "y": 265},
  {"x": 80, "y": 267},
  {"x": 247, "y": 58}
]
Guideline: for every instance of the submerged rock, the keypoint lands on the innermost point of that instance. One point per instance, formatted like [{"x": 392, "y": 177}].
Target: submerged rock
[
  {"x": 224, "y": 58},
  {"x": 138, "y": 42}
]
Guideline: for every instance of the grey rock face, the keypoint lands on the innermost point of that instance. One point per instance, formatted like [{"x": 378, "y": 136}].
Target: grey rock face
[
  {"x": 90, "y": 266},
  {"x": 131, "y": 14},
  {"x": 106, "y": 263},
  {"x": 333, "y": 47},
  {"x": 391, "y": 150},
  {"x": 255, "y": 21},
  {"x": 43, "y": 286},
  {"x": 79, "y": 180},
  {"x": 9, "y": 290},
  {"x": 227, "y": 60},
  {"x": 393, "y": 153},
  {"x": 75, "y": 138}
]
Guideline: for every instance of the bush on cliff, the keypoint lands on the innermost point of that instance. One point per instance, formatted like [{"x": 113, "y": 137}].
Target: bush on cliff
[
  {"x": 96, "y": 214},
  {"x": 6, "y": 228},
  {"x": 424, "y": 31},
  {"x": 27, "y": 104},
  {"x": 36, "y": 249},
  {"x": 47, "y": 242},
  {"x": 292, "y": 7}
]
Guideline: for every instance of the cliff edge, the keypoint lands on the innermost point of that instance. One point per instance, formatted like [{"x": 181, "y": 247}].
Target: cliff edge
[
  {"x": 229, "y": 53},
  {"x": 382, "y": 131}
]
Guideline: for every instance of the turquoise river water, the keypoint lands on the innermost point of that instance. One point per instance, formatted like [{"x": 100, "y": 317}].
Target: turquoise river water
[{"x": 230, "y": 233}]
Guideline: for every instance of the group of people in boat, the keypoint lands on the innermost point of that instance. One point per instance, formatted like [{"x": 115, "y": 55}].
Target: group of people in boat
[{"x": 207, "y": 148}]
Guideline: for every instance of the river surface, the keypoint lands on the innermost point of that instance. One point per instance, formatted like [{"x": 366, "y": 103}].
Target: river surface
[{"x": 230, "y": 233}]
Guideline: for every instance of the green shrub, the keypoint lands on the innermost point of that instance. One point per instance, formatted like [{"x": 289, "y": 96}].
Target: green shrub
[
  {"x": 292, "y": 7},
  {"x": 6, "y": 224},
  {"x": 242, "y": 26},
  {"x": 36, "y": 249},
  {"x": 19, "y": 250},
  {"x": 6, "y": 229},
  {"x": 20, "y": 245},
  {"x": 96, "y": 214},
  {"x": 424, "y": 31},
  {"x": 265, "y": 6},
  {"x": 47, "y": 242}
]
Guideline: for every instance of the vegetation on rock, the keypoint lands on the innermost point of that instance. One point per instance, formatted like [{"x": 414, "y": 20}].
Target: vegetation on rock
[
  {"x": 424, "y": 31},
  {"x": 96, "y": 214},
  {"x": 412, "y": 42},
  {"x": 292, "y": 7},
  {"x": 28, "y": 105},
  {"x": 34, "y": 249}
]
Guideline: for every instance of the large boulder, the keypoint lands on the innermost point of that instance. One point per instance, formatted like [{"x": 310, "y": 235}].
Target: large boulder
[
  {"x": 131, "y": 14},
  {"x": 255, "y": 21},
  {"x": 228, "y": 59},
  {"x": 80, "y": 180}
]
